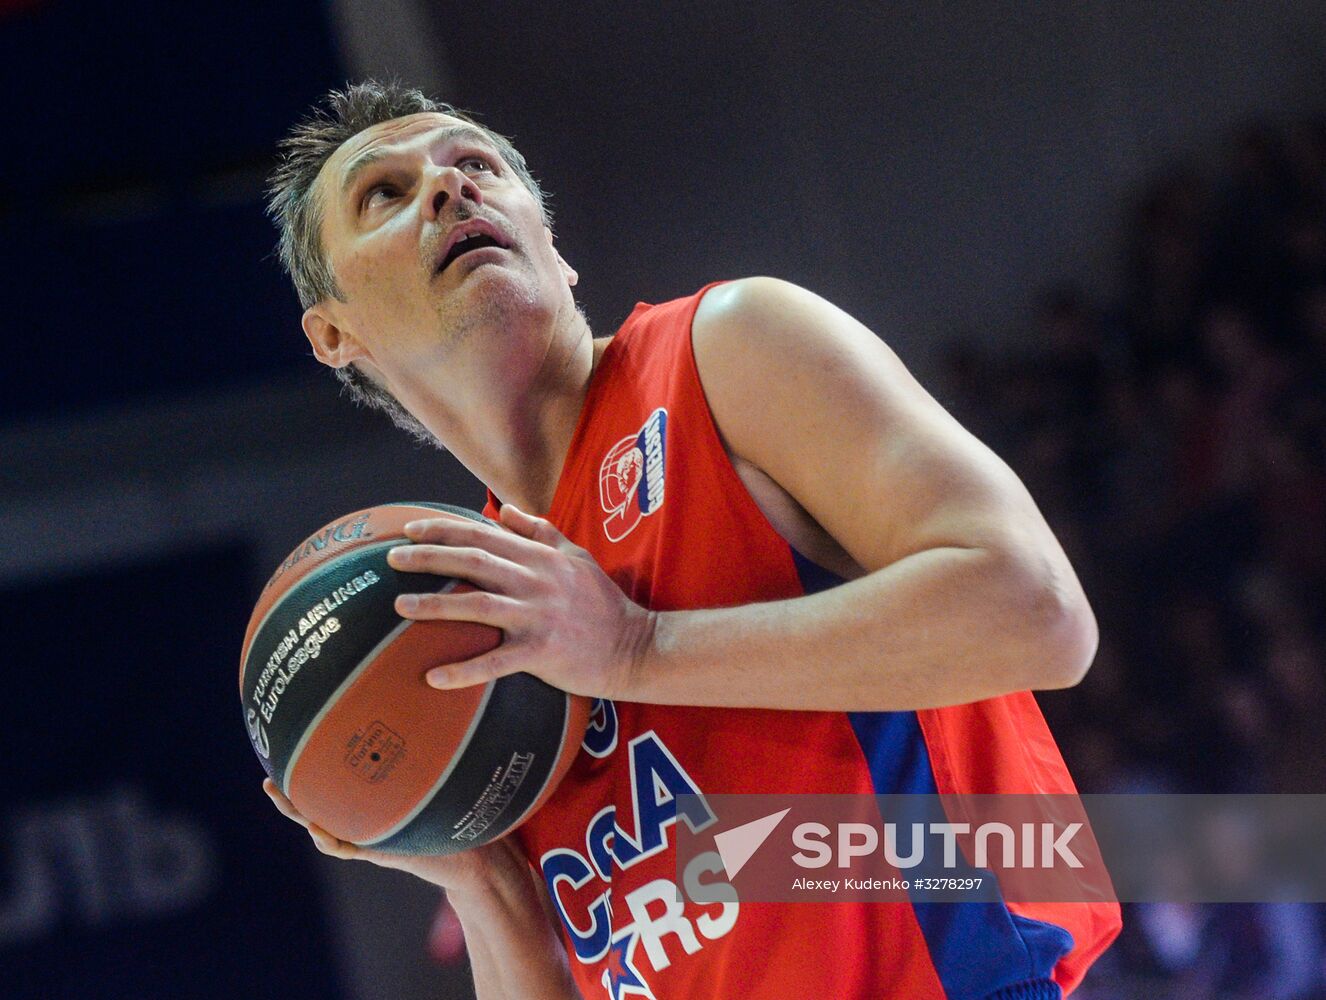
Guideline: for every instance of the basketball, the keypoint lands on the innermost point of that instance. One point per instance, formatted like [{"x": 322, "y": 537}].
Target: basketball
[{"x": 336, "y": 706}]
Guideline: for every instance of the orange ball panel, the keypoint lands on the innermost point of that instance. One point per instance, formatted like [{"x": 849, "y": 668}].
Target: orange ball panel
[{"x": 389, "y": 710}]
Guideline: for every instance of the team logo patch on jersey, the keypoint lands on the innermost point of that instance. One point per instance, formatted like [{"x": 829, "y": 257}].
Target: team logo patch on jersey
[{"x": 631, "y": 477}]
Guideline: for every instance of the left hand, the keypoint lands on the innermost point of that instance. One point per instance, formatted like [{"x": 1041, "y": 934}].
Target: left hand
[{"x": 563, "y": 618}]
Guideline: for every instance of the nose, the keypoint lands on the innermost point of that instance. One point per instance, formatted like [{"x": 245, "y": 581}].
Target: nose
[{"x": 450, "y": 185}]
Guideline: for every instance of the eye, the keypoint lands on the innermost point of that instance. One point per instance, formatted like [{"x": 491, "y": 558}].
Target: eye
[
  {"x": 387, "y": 190},
  {"x": 479, "y": 163}
]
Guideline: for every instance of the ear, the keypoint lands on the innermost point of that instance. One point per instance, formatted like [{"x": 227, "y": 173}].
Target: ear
[
  {"x": 333, "y": 345},
  {"x": 571, "y": 276}
]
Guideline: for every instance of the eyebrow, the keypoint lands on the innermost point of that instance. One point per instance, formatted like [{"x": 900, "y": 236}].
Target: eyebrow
[{"x": 367, "y": 159}]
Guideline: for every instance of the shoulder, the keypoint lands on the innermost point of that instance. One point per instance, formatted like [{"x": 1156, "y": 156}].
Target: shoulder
[
  {"x": 759, "y": 340},
  {"x": 762, "y": 326},
  {"x": 756, "y": 306}
]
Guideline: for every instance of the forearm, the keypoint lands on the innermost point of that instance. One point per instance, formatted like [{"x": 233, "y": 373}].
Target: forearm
[
  {"x": 941, "y": 627},
  {"x": 514, "y": 949}
]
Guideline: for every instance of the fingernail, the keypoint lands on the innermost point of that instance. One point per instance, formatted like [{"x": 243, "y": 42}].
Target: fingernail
[
  {"x": 413, "y": 526},
  {"x": 394, "y": 555},
  {"x": 407, "y": 602},
  {"x": 436, "y": 678}
]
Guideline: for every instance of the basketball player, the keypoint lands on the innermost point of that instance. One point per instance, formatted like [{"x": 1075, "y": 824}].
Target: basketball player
[{"x": 741, "y": 525}]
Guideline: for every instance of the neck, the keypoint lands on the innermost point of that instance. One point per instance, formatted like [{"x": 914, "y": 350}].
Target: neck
[{"x": 516, "y": 441}]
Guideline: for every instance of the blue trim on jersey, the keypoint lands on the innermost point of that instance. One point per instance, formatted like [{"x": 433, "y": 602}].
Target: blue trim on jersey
[
  {"x": 813, "y": 577},
  {"x": 978, "y": 948}
]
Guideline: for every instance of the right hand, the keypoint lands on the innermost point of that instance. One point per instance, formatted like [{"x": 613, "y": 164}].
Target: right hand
[{"x": 468, "y": 871}]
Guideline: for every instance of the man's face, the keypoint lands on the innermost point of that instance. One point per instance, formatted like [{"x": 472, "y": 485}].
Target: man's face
[{"x": 442, "y": 257}]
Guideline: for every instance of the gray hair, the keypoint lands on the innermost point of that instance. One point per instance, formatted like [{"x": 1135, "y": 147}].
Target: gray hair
[{"x": 298, "y": 215}]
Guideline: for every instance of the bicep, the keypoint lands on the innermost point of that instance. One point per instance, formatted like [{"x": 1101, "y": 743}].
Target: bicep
[{"x": 821, "y": 405}]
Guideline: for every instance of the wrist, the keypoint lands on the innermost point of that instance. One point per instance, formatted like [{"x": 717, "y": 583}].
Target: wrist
[
  {"x": 477, "y": 875},
  {"x": 635, "y": 656}
]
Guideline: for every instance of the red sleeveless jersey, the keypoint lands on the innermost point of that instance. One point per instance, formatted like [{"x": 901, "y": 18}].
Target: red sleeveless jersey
[{"x": 648, "y": 489}]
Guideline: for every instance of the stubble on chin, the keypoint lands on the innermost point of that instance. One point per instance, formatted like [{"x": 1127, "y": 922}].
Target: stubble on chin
[{"x": 497, "y": 304}]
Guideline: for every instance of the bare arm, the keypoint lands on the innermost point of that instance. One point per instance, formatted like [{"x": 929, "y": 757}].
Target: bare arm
[
  {"x": 966, "y": 594},
  {"x": 514, "y": 949}
]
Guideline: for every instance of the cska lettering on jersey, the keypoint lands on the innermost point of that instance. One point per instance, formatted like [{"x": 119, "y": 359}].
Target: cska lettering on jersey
[{"x": 662, "y": 923}]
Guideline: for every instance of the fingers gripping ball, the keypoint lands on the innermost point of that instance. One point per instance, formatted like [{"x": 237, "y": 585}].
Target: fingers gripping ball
[{"x": 337, "y": 709}]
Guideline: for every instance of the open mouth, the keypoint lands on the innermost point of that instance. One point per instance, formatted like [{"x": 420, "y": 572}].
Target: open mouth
[{"x": 475, "y": 241}]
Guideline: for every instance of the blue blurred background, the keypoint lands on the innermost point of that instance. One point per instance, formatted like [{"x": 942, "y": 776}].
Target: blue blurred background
[{"x": 1096, "y": 231}]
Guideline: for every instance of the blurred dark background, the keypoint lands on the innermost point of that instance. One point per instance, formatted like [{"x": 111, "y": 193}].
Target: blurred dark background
[{"x": 1096, "y": 231}]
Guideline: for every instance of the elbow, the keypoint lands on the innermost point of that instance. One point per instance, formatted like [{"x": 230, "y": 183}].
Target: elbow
[
  {"x": 1059, "y": 634},
  {"x": 1067, "y": 645}
]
